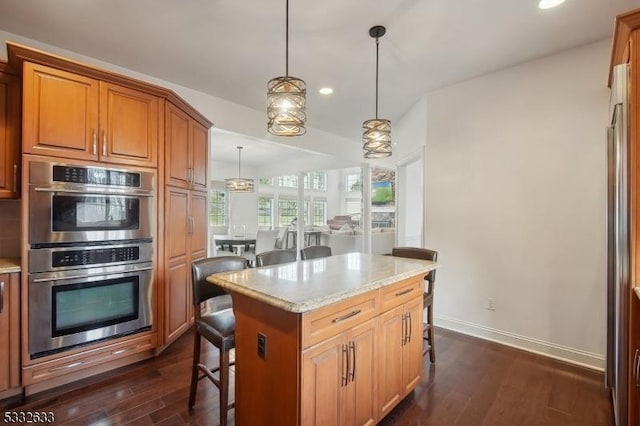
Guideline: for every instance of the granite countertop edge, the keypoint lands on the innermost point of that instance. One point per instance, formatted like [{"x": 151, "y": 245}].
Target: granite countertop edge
[
  {"x": 318, "y": 302},
  {"x": 9, "y": 265}
]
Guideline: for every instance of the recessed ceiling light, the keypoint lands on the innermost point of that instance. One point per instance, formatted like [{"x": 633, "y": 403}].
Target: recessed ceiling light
[
  {"x": 548, "y": 4},
  {"x": 326, "y": 90}
]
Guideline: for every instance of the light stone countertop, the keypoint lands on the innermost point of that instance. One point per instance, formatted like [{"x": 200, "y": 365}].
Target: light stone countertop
[
  {"x": 310, "y": 284},
  {"x": 9, "y": 265}
]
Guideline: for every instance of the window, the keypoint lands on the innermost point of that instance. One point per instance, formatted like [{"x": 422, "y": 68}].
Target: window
[
  {"x": 265, "y": 211},
  {"x": 319, "y": 213},
  {"x": 290, "y": 181},
  {"x": 353, "y": 206},
  {"x": 288, "y": 210},
  {"x": 265, "y": 181},
  {"x": 218, "y": 208},
  {"x": 319, "y": 181},
  {"x": 353, "y": 183}
]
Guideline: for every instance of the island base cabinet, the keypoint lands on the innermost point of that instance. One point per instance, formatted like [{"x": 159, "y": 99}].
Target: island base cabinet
[
  {"x": 400, "y": 354},
  {"x": 338, "y": 379}
]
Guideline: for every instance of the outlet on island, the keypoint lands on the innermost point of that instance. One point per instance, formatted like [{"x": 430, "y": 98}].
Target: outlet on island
[{"x": 262, "y": 346}]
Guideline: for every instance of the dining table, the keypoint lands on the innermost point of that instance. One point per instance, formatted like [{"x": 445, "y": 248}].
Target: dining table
[{"x": 235, "y": 243}]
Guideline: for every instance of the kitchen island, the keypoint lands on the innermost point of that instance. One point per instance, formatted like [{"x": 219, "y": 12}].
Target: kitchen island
[{"x": 328, "y": 341}]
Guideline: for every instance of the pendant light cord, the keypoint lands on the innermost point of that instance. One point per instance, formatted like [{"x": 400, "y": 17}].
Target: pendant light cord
[
  {"x": 286, "y": 72},
  {"x": 377, "y": 44},
  {"x": 239, "y": 151}
]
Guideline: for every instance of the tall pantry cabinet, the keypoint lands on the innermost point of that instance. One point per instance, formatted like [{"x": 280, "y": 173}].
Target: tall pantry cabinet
[
  {"x": 626, "y": 49},
  {"x": 186, "y": 156}
]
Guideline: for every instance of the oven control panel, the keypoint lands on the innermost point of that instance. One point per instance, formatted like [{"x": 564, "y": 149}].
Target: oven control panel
[{"x": 93, "y": 257}]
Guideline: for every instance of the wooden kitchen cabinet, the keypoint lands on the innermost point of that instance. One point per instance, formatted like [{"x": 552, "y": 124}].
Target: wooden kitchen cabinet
[
  {"x": 74, "y": 116},
  {"x": 9, "y": 333},
  {"x": 186, "y": 149},
  {"x": 338, "y": 379},
  {"x": 185, "y": 241},
  {"x": 9, "y": 134}
]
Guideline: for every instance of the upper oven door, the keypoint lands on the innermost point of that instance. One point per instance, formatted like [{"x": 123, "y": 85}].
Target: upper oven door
[{"x": 58, "y": 215}]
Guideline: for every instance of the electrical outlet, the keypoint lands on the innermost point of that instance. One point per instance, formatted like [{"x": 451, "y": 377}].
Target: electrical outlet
[
  {"x": 262, "y": 346},
  {"x": 491, "y": 304}
]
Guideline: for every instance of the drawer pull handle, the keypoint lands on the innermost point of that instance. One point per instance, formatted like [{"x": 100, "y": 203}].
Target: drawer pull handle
[
  {"x": 15, "y": 178},
  {"x": 403, "y": 341},
  {"x": 95, "y": 143},
  {"x": 1, "y": 296},
  {"x": 104, "y": 143},
  {"x": 400, "y": 293},
  {"x": 121, "y": 351},
  {"x": 347, "y": 316},
  {"x": 65, "y": 367},
  {"x": 409, "y": 327}
]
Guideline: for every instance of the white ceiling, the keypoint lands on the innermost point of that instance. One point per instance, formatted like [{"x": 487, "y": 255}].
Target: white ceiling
[{"x": 231, "y": 48}]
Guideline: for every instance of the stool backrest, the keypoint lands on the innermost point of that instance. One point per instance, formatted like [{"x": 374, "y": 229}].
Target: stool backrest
[
  {"x": 201, "y": 269},
  {"x": 315, "y": 252},
  {"x": 275, "y": 257},
  {"x": 419, "y": 253}
]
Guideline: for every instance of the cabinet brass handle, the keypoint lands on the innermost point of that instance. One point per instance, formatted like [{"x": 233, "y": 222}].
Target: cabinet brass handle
[
  {"x": 65, "y": 367},
  {"x": 347, "y": 316},
  {"x": 15, "y": 178},
  {"x": 104, "y": 143},
  {"x": 352, "y": 350},
  {"x": 636, "y": 368},
  {"x": 1, "y": 296},
  {"x": 400, "y": 293},
  {"x": 95, "y": 142},
  {"x": 345, "y": 365}
]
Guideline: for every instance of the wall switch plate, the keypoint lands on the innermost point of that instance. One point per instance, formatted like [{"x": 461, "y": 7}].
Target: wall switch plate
[
  {"x": 262, "y": 346},
  {"x": 491, "y": 304}
]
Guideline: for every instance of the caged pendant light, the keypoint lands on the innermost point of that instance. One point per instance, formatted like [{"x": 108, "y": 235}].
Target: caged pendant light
[
  {"x": 286, "y": 115},
  {"x": 239, "y": 184},
  {"x": 376, "y": 137}
]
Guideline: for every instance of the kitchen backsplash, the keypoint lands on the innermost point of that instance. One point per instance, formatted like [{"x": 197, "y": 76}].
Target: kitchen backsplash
[{"x": 9, "y": 228}]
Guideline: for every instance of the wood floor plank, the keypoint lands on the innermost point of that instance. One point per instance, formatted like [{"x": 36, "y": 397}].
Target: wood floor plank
[{"x": 474, "y": 382}]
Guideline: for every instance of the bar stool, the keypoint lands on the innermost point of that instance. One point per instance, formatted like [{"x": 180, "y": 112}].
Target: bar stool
[
  {"x": 427, "y": 297},
  {"x": 275, "y": 257},
  {"x": 218, "y": 327},
  {"x": 315, "y": 252}
]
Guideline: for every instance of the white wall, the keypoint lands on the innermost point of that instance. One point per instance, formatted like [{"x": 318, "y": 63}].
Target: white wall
[
  {"x": 515, "y": 186},
  {"x": 410, "y": 204}
]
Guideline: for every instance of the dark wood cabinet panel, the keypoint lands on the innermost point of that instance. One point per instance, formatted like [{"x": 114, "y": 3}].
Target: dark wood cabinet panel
[{"x": 9, "y": 135}]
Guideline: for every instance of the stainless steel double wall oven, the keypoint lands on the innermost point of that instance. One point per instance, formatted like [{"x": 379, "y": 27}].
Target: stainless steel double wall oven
[{"x": 91, "y": 254}]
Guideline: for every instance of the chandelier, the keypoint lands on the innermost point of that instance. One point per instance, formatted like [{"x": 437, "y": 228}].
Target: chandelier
[
  {"x": 239, "y": 184},
  {"x": 376, "y": 137}
]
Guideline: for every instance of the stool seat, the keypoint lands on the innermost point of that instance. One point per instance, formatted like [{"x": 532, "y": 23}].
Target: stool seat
[{"x": 218, "y": 328}]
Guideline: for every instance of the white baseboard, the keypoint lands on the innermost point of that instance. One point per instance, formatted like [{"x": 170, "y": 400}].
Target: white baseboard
[{"x": 586, "y": 359}]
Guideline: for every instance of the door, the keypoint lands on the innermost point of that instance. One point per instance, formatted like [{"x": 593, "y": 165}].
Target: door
[
  {"x": 360, "y": 407},
  {"x": 60, "y": 113},
  {"x": 390, "y": 373},
  {"x": 323, "y": 379},
  {"x": 9, "y": 135},
  {"x": 177, "y": 146},
  {"x": 412, "y": 350},
  {"x": 199, "y": 157},
  {"x": 129, "y": 126},
  {"x": 410, "y": 208}
]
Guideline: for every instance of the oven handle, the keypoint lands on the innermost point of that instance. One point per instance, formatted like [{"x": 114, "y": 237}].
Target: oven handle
[
  {"x": 70, "y": 277},
  {"x": 91, "y": 191}
]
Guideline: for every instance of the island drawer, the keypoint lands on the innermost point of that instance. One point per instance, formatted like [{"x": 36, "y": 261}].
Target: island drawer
[
  {"x": 401, "y": 292},
  {"x": 323, "y": 323}
]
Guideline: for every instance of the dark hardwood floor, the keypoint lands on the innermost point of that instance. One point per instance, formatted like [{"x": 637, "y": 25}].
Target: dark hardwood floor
[{"x": 474, "y": 382}]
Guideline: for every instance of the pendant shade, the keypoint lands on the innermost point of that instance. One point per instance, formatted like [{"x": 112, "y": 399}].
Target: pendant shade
[
  {"x": 376, "y": 137},
  {"x": 286, "y": 99},
  {"x": 239, "y": 184}
]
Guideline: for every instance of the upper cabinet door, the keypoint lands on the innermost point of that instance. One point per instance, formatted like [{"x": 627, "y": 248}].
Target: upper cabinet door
[
  {"x": 129, "y": 126},
  {"x": 177, "y": 147},
  {"x": 9, "y": 136},
  {"x": 199, "y": 157},
  {"x": 60, "y": 113}
]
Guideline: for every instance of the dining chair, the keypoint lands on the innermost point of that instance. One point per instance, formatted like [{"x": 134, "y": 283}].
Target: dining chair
[
  {"x": 427, "y": 297},
  {"x": 265, "y": 241},
  {"x": 215, "y": 325},
  {"x": 315, "y": 252},
  {"x": 275, "y": 257}
]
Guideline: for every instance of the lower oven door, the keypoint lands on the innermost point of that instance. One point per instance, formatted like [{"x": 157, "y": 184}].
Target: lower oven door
[{"x": 72, "y": 308}]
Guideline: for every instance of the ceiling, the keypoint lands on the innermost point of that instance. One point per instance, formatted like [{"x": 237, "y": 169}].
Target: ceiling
[{"x": 231, "y": 48}]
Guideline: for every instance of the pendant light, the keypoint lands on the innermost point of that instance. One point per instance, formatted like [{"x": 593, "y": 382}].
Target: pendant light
[
  {"x": 376, "y": 137},
  {"x": 239, "y": 184},
  {"x": 286, "y": 115}
]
